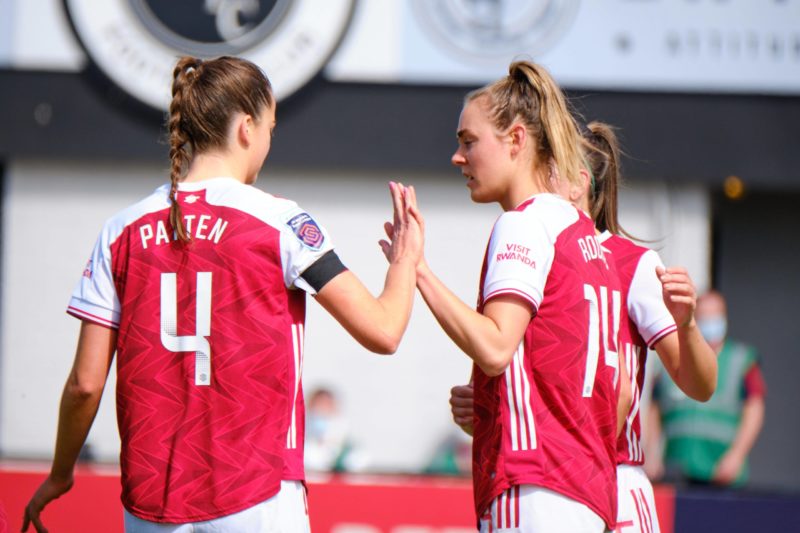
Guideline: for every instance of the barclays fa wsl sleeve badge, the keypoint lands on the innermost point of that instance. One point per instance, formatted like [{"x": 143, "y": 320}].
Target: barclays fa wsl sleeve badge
[{"x": 306, "y": 230}]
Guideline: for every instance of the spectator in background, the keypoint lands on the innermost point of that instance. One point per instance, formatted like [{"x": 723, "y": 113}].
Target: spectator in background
[
  {"x": 327, "y": 444},
  {"x": 453, "y": 455},
  {"x": 708, "y": 443}
]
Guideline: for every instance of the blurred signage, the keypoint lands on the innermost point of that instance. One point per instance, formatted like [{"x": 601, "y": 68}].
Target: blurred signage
[
  {"x": 664, "y": 45},
  {"x": 716, "y": 46},
  {"x": 492, "y": 28},
  {"x": 136, "y": 42}
]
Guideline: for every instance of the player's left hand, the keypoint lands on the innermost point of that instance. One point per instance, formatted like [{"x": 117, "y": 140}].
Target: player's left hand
[
  {"x": 462, "y": 401},
  {"x": 727, "y": 469},
  {"x": 679, "y": 294},
  {"x": 48, "y": 491}
]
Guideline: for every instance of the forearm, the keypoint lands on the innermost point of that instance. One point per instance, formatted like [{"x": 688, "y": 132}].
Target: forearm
[
  {"x": 625, "y": 400},
  {"x": 476, "y": 335},
  {"x": 378, "y": 323},
  {"x": 76, "y": 414},
  {"x": 749, "y": 427},
  {"x": 652, "y": 443},
  {"x": 697, "y": 371},
  {"x": 396, "y": 300}
]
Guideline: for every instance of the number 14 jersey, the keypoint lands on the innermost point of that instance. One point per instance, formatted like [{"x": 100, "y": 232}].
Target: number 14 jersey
[
  {"x": 209, "y": 343},
  {"x": 550, "y": 419}
]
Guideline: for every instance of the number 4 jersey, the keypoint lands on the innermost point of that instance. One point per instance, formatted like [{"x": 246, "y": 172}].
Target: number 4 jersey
[
  {"x": 209, "y": 345},
  {"x": 550, "y": 419}
]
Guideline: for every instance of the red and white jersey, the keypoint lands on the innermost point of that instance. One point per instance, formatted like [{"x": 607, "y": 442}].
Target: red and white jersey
[
  {"x": 294, "y": 460},
  {"x": 209, "y": 344},
  {"x": 550, "y": 419},
  {"x": 647, "y": 320}
]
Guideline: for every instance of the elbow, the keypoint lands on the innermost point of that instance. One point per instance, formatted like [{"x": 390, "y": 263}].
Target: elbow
[
  {"x": 386, "y": 349},
  {"x": 699, "y": 386},
  {"x": 702, "y": 392},
  {"x": 385, "y": 345},
  {"x": 83, "y": 390},
  {"x": 707, "y": 388},
  {"x": 493, "y": 370},
  {"x": 494, "y": 366},
  {"x": 705, "y": 394}
]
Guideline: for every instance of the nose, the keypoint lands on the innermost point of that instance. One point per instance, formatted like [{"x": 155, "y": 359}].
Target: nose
[{"x": 458, "y": 158}]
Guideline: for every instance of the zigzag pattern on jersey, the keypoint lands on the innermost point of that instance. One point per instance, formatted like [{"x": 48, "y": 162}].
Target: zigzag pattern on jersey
[
  {"x": 626, "y": 256},
  {"x": 193, "y": 453},
  {"x": 573, "y": 452}
]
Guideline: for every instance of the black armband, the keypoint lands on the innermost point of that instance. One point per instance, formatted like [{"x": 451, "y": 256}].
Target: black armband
[{"x": 323, "y": 270}]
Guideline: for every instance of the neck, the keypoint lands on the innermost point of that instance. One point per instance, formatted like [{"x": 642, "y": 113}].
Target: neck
[
  {"x": 522, "y": 188},
  {"x": 214, "y": 165}
]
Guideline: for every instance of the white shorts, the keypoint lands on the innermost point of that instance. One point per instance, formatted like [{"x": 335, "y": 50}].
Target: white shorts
[
  {"x": 293, "y": 507},
  {"x": 286, "y": 512},
  {"x": 636, "y": 503},
  {"x": 532, "y": 509}
]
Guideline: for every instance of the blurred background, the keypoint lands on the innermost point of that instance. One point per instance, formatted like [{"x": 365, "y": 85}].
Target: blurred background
[{"x": 705, "y": 93}]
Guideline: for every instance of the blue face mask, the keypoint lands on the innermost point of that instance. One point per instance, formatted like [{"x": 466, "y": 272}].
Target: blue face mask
[
  {"x": 713, "y": 329},
  {"x": 317, "y": 426}
]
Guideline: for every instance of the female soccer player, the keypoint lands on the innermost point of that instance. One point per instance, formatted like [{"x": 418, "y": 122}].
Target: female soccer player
[
  {"x": 199, "y": 289},
  {"x": 654, "y": 300},
  {"x": 541, "y": 339},
  {"x": 660, "y": 304}
]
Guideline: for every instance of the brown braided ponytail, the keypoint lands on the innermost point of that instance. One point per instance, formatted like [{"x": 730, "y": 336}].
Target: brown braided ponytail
[
  {"x": 185, "y": 72},
  {"x": 530, "y": 95},
  {"x": 205, "y": 97}
]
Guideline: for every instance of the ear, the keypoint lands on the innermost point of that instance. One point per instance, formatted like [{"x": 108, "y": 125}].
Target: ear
[
  {"x": 579, "y": 191},
  {"x": 579, "y": 194},
  {"x": 519, "y": 138},
  {"x": 244, "y": 127}
]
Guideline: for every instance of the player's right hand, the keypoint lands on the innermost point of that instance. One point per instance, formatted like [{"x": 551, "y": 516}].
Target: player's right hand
[
  {"x": 654, "y": 468},
  {"x": 679, "y": 293},
  {"x": 406, "y": 232},
  {"x": 462, "y": 399},
  {"x": 48, "y": 491}
]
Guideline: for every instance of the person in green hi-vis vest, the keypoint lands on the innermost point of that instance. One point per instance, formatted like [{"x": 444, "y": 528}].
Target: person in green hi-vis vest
[{"x": 708, "y": 443}]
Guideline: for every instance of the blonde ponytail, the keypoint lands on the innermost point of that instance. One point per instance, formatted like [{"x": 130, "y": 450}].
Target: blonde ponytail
[{"x": 530, "y": 95}]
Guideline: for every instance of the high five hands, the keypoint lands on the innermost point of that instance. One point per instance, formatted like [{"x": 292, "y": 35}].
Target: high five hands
[{"x": 407, "y": 230}]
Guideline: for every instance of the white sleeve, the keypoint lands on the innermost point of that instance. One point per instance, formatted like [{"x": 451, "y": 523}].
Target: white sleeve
[
  {"x": 303, "y": 242},
  {"x": 95, "y": 296},
  {"x": 645, "y": 301},
  {"x": 519, "y": 258}
]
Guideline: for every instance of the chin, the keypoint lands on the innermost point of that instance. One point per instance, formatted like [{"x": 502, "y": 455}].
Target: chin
[{"x": 481, "y": 197}]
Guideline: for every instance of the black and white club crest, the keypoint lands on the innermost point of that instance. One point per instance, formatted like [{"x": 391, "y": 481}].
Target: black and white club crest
[{"x": 135, "y": 43}]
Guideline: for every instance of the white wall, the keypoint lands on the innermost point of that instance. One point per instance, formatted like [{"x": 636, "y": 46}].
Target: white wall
[
  {"x": 397, "y": 405},
  {"x": 665, "y": 215}
]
